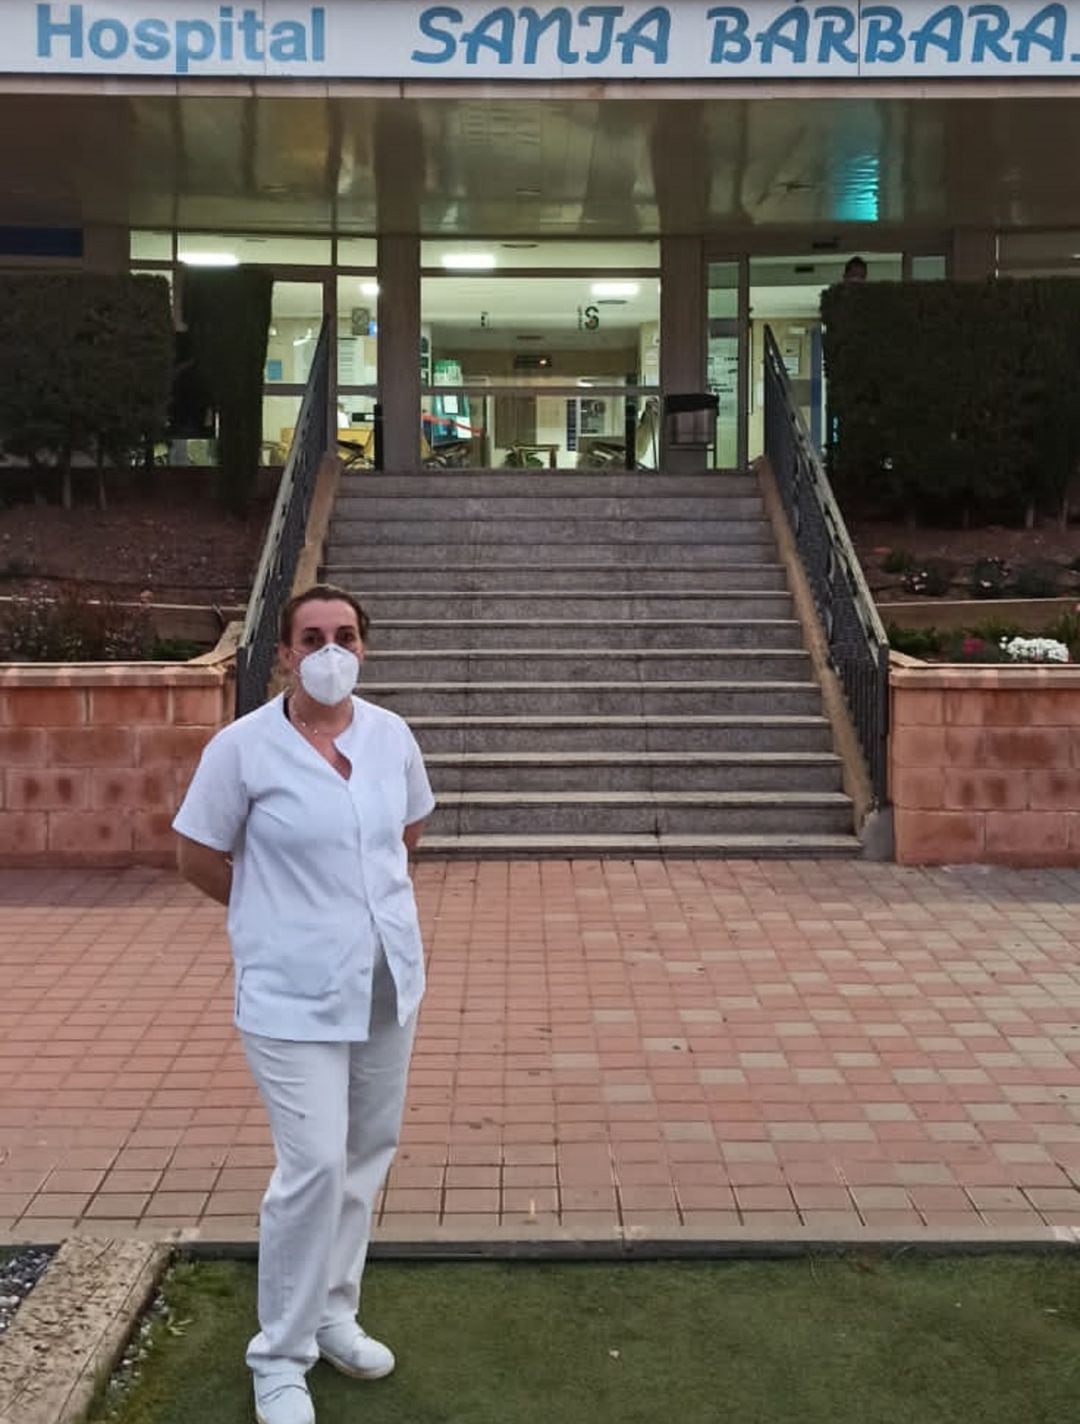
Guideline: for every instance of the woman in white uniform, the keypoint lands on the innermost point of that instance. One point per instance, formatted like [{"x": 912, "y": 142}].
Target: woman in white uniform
[{"x": 300, "y": 818}]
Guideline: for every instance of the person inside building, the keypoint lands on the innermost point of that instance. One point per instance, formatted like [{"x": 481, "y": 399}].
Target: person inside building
[
  {"x": 856, "y": 270},
  {"x": 300, "y": 818}
]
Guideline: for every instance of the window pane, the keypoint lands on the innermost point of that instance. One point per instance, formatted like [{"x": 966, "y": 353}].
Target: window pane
[
  {"x": 484, "y": 255},
  {"x": 296, "y": 319},
  {"x": 280, "y": 414},
  {"x": 357, "y": 331},
  {"x": 929, "y": 269},
  {"x": 357, "y": 252},
  {"x": 231, "y": 248},
  {"x": 151, "y": 246},
  {"x": 540, "y": 330},
  {"x": 356, "y": 430}
]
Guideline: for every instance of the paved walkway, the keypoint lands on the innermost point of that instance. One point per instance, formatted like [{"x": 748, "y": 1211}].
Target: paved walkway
[{"x": 692, "y": 1050}]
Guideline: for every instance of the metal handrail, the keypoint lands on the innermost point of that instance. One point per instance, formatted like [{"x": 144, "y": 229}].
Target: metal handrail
[
  {"x": 285, "y": 536},
  {"x": 857, "y": 641}
]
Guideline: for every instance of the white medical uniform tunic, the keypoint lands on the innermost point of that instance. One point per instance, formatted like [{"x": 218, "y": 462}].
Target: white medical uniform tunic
[{"x": 320, "y": 869}]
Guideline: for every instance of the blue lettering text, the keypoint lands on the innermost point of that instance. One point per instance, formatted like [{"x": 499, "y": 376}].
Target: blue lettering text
[
  {"x": 607, "y": 15},
  {"x": 731, "y": 39},
  {"x": 883, "y": 27},
  {"x": 991, "y": 26},
  {"x": 837, "y": 28},
  {"x": 637, "y": 36},
  {"x": 1033, "y": 33},
  {"x": 535, "y": 28},
  {"x": 775, "y": 38}
]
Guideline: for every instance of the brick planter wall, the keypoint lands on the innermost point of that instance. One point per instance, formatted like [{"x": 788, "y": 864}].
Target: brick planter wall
[
  {"x": 94, "y": 757},
  {"x": 985, "y": 764}
]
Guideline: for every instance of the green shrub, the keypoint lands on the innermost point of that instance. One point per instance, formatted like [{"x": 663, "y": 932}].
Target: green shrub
[
  {"x": 933, "y": 579},
  {"x": 1036, "y": 580},
  {"x": 70, "y": 628},
  {"x": 992, "y": 631},
  {"x": 915, "y": 642},
  {"x": 982, "y": 425},
  {"x": 973, "y": 648},
  {"x": 989, "y": 578},
  {"x": 227, "y": 312},
  {"x": 175, "y": 650},
  {"x": 1066, "y": 629},
  {"x": 85, "y": 368},
  {"x": 898, "y": 561}
]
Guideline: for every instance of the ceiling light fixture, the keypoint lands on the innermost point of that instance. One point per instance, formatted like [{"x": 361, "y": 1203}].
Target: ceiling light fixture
[
  {"x": 616, "y": 289},
  {"x": 209, "y": 259},
  {"x": 369, "y": 289},
  {"x": 469, "y": 261}
]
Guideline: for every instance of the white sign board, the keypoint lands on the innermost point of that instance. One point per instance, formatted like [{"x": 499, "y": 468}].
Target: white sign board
[{"x": 393, "y": 39}]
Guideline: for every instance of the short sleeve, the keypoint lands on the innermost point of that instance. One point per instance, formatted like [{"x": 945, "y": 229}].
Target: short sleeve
[
  {"x": 216, "y": 805},
  {"x": 419, "y": 798}
]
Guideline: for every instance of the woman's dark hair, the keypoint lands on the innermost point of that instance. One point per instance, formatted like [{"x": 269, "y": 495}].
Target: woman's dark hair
[{"x": 321, "y": 593}]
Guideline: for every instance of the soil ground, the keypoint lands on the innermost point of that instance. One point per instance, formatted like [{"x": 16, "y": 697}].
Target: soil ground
[
  {"x": 180, "y": 550},
  {"x": 1048, "y": 543}
]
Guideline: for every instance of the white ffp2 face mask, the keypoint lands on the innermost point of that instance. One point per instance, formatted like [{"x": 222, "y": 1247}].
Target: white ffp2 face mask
[{"x": 329, "y": 675}]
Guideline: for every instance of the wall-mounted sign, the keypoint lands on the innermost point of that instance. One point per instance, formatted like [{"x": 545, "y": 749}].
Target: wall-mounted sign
[{"x": 397, "y": 39}]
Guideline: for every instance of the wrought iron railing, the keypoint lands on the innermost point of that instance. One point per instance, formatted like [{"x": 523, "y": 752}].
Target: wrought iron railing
[
  {"x": 858, "y": 645},
  {"x": 284, "y": 537}
]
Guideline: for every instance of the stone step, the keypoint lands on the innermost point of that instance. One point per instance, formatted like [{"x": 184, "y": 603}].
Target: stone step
[
  {"x": 567, "y": 528},
  {"x": 371, "y": 575},
  {"x": 674, "y": 603},
  {"x": 640, "y": 813},
  {"x": 376, "y": 507},
  {"x": 486, "y": 665},
  {"x": 412, "y": 634},
  {"x": 565, "y": 484},
  {"x": 634, "y": 771},
  {"x": 783, "y": 846},
  {"x": 382, "y": 552},
  {"x": 742, "y": 735},
  {"x": 595, "y": 699}
]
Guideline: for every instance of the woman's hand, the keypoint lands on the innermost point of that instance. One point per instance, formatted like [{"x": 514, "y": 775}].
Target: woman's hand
[{"x": 412, "y": 836}]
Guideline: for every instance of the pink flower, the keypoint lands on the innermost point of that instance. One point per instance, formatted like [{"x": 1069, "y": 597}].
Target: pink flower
[{"x": 973, "y": 646}]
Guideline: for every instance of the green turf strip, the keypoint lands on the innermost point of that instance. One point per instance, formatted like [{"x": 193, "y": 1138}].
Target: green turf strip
[{"x": 970, "y": 1340}]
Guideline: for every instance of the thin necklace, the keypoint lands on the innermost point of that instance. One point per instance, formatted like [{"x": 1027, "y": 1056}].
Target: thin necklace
[{"x": 315, "y": 731}]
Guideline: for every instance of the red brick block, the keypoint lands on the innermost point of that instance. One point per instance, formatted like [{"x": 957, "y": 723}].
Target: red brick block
[
  {"x": 918, "y": 708},
  {"x": 131, "y": 789},
  {"x": 44, "y": 707},
  {"x": 154, "y": 837},
  {"x": 199, "y": 707},
  {"x": 965, "y": 746},
  {"x": 22, "y": 832},
  {"x": 918, "y": 747},
  {"x": 938, "y": 837},
  {"x": 1054, "y": 790},
  {"x": 1027, "y": 837},
  {"x": 129, "y": 706},
  {"x": 44, "y": 790},
  {"x": 90, "y": 835},
  {"x": 22, "y": 746},
  {"x": 1031, "y": 707},
  {"x": 165, "y": 746},
  {"x": 917, "y": 789},
  {"x": 1035, "y": 748},
  {"x": 1072, "y": 822},
  {"x": 986, "y": 790},
  {"x": 92, "y": 746}
]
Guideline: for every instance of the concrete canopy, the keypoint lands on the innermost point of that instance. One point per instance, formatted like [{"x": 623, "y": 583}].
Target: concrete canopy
[{"x": 522, "y": 163}]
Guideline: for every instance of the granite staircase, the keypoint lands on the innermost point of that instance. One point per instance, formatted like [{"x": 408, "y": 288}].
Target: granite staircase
[{"x": 593, "y": 664}]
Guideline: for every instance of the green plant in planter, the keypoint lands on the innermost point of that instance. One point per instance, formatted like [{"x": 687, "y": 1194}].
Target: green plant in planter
[
  {"x": 915, "y": 642},
  {"x": 1066, "y": 629},
  {"x": 71, "y": 629},
  {"x": 989, "y": 578},
  {"x": 1037, "y": 580},
  {"x": 991, "y": 631},
  {"x": 972, "y": 648}
]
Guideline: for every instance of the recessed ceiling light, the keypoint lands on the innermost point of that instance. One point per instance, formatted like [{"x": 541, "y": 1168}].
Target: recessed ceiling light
[
  {"x": 209, "y": 259},
  {"x": 469, "y": 261},
  {"x": 616, "y": 289},
  {"x": 369, "y": 289}
]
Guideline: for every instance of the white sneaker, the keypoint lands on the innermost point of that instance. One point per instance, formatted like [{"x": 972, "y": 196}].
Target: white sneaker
[
  {"x": 353, "y": 1353},
  {"x": 283, "y": 1401}
]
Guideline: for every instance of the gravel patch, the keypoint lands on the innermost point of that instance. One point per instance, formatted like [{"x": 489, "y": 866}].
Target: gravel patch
[{"x": 19, "y": 1274}]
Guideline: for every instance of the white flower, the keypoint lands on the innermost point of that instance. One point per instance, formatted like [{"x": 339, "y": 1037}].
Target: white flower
[{"x": 1036, "y": 650}]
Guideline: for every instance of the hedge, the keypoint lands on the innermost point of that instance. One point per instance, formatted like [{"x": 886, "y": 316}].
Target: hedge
[
  {"x": 953, "y": 400},
  {"x": 85, "y": 368}
]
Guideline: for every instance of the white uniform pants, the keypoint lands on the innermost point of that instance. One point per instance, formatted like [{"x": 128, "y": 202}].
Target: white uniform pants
[{"x": 335, "y": 1114}]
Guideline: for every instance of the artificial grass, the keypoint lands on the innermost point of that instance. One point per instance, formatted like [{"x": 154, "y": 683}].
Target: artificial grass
[{"x": 969, "y": 1340}]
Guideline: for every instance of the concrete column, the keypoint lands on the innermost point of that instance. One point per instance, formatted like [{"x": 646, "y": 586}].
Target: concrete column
[
  {"x": 683, "y": 314},
  {"x": 974, "y": 254},
  {"x": 106, "y": 249},
  {"x": 399, "y": 351}
]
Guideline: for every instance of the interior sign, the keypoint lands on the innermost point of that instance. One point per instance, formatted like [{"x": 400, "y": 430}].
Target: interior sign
[{"x": 397, "y": 39}]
